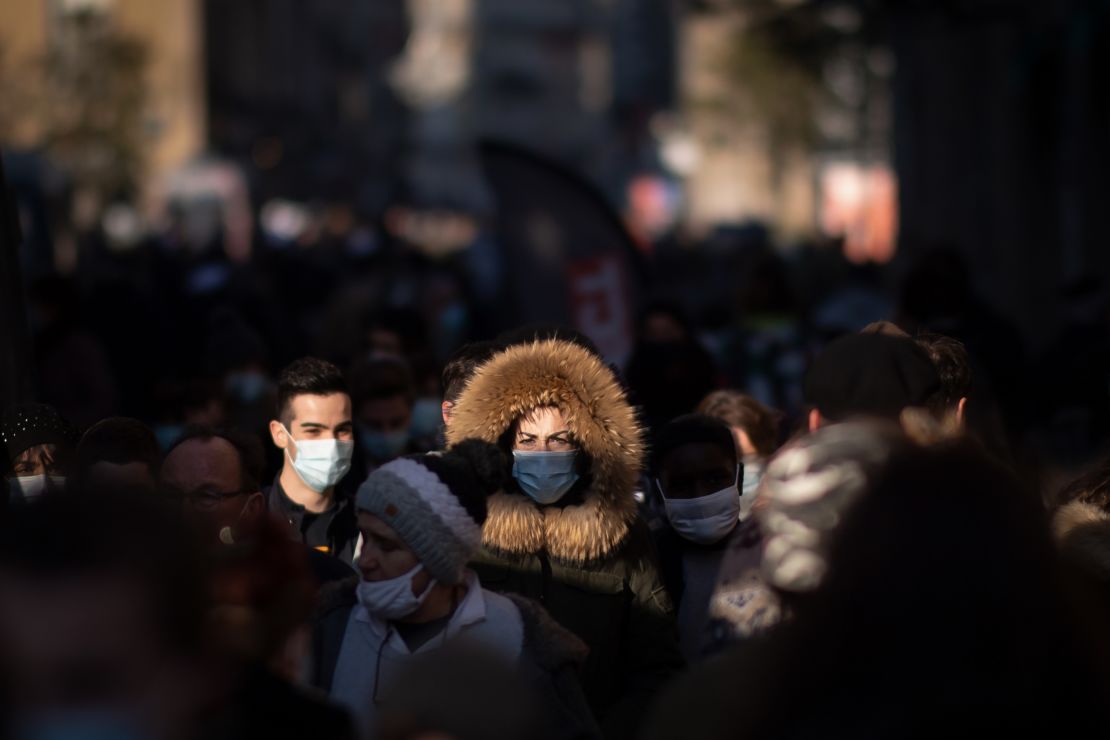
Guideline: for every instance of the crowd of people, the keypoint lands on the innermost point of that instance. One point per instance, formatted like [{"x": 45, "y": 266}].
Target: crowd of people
[{"x": 548, "y": 545}]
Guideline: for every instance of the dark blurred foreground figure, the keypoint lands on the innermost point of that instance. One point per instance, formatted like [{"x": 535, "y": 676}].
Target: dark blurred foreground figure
[
  {"x": 112, "y": 624},
  {"x": 36, "y": 449},
  {"x": 941, "y": 610},
  {"x": 420, "y": 519}
]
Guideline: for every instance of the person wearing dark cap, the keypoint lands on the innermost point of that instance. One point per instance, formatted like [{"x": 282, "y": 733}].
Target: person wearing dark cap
[
  {"x": 459, "y": 369},
  {"x": 421, "y": 522},
  {"x": 119, "y": 450},
  {"x": 708, "y": 527},
  {"x": 37, "y": 444},
  {"x": 868, "y": 375}
]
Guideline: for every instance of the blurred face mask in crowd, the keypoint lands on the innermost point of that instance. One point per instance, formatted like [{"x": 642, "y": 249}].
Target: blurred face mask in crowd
[
  {"x": 705, "y": 519},
  {"x": 320, "y": 463},
  {"x": 382, "y": 446},
  {"x": 247, "y": 387},
  {"x": 427, "y": 417},
  {"x": 25, "y": 488}
]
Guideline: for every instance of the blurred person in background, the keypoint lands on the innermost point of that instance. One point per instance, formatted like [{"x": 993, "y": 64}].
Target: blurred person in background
[
  {"x": 565, "y": 530},
  {"x": 421, "y": 520},
  {"x": 709, "y": 533},
  {"x": 669, "y": 370},
  {"x": 315, "y": 431},
  {"x": 754, "y": 426},
  {"x": 73, "y": 371},
  {"x": 37, "y": 446},
  {"x": 459, "y": 369},
  {"x": 119, "y": 451},
  {"x": 215, "y": 475},
  {"x": 874, "y": 375},
  {"x": 382, "y": 394},
  {"x": 940, "y": 607}
]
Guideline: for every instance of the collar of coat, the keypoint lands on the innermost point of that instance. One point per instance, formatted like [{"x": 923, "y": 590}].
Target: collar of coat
[{"x": 597, "y": 413}]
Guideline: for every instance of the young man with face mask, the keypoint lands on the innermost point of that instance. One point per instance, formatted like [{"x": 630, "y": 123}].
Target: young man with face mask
[
  {"x": 421, "y": 521},
  {"x": 37, "y": 445},
  {"x": 699, "y": 477},
  {"x": 315, "y": 432}
]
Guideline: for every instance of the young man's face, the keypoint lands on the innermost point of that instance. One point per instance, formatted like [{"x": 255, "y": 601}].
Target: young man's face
[
  {"x": 313, "y": 417},
  {"x": 696, "y": 469}
]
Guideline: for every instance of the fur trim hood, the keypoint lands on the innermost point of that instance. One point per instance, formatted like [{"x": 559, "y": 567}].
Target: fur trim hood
[
  {"x": 1082, "y": 532},
  {"x": 598, "y": 415}
]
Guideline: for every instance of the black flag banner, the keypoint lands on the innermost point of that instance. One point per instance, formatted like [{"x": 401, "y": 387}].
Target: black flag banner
[{"x": 566, "y": 256}]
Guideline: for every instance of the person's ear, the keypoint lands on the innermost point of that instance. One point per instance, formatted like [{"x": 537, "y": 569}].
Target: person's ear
[
  {"x": 255, "y": 505},
  {"x": 814, "y": 420},
  {"x": 445, "y": 409},
  {"x": 278, "y": 434},
  {"x": 961, "y": 411}
]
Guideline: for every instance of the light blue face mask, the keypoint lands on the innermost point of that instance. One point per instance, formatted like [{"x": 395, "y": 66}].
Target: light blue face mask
[{"x": 545, "y": 476}]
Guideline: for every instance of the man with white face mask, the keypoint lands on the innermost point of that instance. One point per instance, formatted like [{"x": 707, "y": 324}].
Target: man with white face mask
[
  {"x": 700, "y": 479},
  {"x": 421, "y": 522},
  {"x": 315, "y": 431}
]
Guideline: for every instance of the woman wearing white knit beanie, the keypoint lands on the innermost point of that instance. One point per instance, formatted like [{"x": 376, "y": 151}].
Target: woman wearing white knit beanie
[{"x": 421, "y": 521}]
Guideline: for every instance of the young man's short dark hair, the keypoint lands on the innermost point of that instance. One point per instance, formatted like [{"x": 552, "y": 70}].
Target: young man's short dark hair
[
  {"x": 953, "y": 364},
  {"x": 309, "y": 376},
  {"x": 463, "y": 364}
]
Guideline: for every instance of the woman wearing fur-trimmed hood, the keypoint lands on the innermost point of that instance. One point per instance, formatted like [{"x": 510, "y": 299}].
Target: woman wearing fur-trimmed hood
[{"x": 565, "y": 531}]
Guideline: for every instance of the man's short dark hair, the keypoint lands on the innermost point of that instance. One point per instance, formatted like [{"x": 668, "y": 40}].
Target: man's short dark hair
[
  {"x": 953, "y": 364},
  {"x": 381, "y": 377},
  {"x": 247, "y": 447},
  {"x": 308, "y": 376},
  {"x": 462, "y": 365}
]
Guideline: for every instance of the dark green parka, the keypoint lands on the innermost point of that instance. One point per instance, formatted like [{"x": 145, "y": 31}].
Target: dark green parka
[{"x": 588, "y": 558}]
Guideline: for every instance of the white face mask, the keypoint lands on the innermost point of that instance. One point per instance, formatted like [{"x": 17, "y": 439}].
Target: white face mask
[
  {"x": 392, "y": 598},
  {"x": 29, "y": 487},
  {"x": 705, "y": 519},
  {"x": 753, "y": 474},
  {"x": 320, "y": 463}
]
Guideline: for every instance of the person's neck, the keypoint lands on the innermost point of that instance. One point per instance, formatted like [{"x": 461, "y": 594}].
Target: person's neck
[
  {"x": 441, "y": 603},
  {"x": 297, "y": 492}
]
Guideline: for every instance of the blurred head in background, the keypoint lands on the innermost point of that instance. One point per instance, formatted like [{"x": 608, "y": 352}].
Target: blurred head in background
[
  {"x": 119, "y": 451},
  {"x": 37, "y": 446},
  {"x": 382, "y": 395}
]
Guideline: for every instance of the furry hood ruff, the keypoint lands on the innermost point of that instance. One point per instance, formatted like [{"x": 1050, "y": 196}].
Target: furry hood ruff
[{"x": 597, "y": 413}]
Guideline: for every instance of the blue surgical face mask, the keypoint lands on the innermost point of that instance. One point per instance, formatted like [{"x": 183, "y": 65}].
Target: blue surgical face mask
[
  {"x": 427, "y": 417},
  {"x": 382, "y": 446},
  {"x": 545, "y": 476}
]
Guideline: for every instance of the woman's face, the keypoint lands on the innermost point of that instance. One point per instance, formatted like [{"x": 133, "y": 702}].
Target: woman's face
[
  {"x": 38, "y": 460},
  {"x": 543, "y": 430}
]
